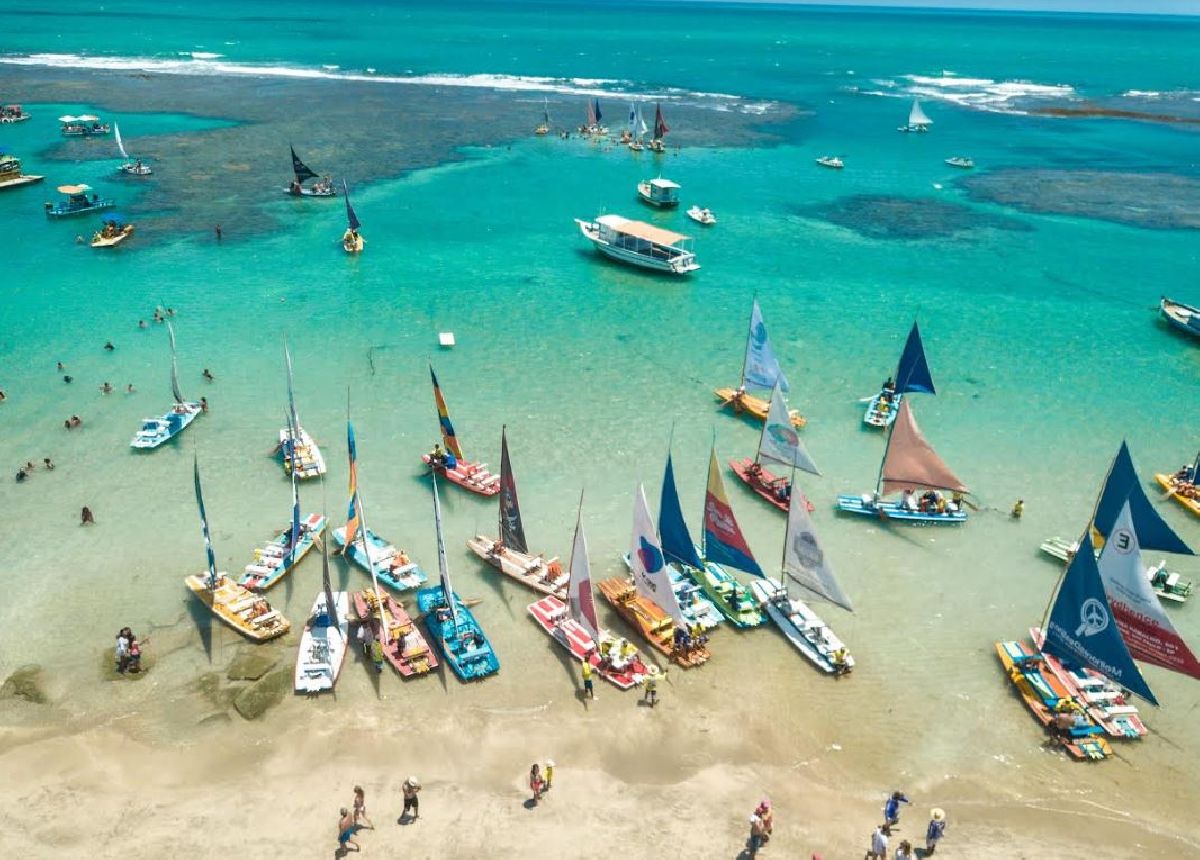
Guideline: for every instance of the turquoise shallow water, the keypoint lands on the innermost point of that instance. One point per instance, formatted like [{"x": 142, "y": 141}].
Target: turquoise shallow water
[{"x": 1040, "y": 331}]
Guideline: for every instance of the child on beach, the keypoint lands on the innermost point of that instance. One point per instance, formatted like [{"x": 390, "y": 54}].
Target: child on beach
[
  {"x": 410, "y": 788},
  {"x": 879, "y": 843},
  {"x": 586, "y": 671},
  {"x": 549, "y": 774},
  {"x": 536, "y": 784},
  {"x": 360, "y": 807}
]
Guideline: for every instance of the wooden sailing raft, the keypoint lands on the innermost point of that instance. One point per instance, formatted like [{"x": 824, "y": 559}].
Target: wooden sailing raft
[
  {"x": 760, "y": 371},
  {"x": 450, "y": 463}
]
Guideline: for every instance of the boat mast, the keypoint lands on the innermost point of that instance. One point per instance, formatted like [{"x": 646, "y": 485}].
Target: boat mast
[
  {"x": 787, "y": 536},
  {"x": 746, "y": 352},
  {"x": 443, "y": 565},
  {"x": 366, "y": 546},
  {"x": 898, "y": 393}
]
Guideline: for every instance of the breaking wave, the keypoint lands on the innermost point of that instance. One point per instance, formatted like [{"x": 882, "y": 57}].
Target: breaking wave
[{"x": 978, "y": 93}]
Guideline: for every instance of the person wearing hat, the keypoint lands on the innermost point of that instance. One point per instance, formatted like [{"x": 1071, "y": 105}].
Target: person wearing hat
[
  {"x": 549, "y": 772},
  {"x": 935, "y": 831},
  {"x": 411, "y": 788}
]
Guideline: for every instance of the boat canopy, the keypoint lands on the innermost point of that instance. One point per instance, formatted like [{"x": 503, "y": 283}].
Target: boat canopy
[
  {"x": 641, "y": 230},
  {"x": 74, "y": 189},
  {"x": 69, "y": 118},
  {"x": 664, "y": 183},
  {"x": 88, "y": 117},
  {"x": 910, "y": 462}
]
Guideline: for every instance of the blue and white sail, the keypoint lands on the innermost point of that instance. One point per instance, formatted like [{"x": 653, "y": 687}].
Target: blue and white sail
[
  {"x": 208, "y": 550},
  {"x": 1122, "y": 483},
  {"x": 760, "y": 368},
  {"x": 677, "y": 542},
  {"x": 1082, "y": 629},
  {"x": 646, "y": 561},
  {"x": 912, "y": 374},
  {"x": 780, "y": 442}
]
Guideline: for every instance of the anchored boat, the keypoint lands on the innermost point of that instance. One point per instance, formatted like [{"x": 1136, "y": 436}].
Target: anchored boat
[
  {"x": 831, "y": 161},
  {"x": 131, "y": 167},
  {"x": 11, "y": 175},
  {"x": 760, "y": 372},
  {"x": 779, "y": 442},
  {"x": 77, "y": 202},
  {"x": 451, "y": 463},
  {"x": 84, "y": 125},
  {"x": 640, "y": 244},
  {"x": 352, "y": 240},
  {"x": 509, "y": 553},
  {"x": 12, "y": 113},
  {"x": 155, "y": 431},
  {"x": 323, "y": 187},
  {"x": 1183, "y": 317},
  {"x": 961, "y": 162},
  {"x": 280, "y": 556},
  {"x": 114, "y": 230},
  {"x": 1106, "y": 703},
  {"x": 702, "y": 216},
  {"x": 455, "y": 630},
  {"x": 917, "y": 120},
  {"x": 660, "y": 193},
  {"x": 301, "y": 456},
  {"x": 405, "y": 647},
  {"x": 1184, "y": 485},
  {"x": 913, "y": 375},
  {"x": 326, "y": 637}
]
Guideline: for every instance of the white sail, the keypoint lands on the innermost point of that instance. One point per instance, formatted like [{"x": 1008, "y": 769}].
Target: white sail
[
  {"x": 443, "y": 566},
  {"x": 647, "y": 562},
  {"x": 780, "y": 442},
  {"x": 917, "y": 116},
  {"x": 176, "y": 393},
  {"x": 803, "y": 559},
  {"x": 641, "y": 121},
  {"x": 760, "y": 367},
  {"x": 293, "y": 418},
  {"x": 579, "y": 591},
  {"x": 120, "y": 145}
]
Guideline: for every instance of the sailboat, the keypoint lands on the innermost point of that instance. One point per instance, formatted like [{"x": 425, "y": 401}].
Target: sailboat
[
  {"x": 451, "y": 463},
  {"x": 544, "y": 125},
  {"x": 912, "y": 375},
  {"x": 731, "y": 598},
  {"x": 805, "y": 565},
  {"x": 910, "y": 463},
  {"x": 382, "y": 560},
  {"x": 454, "y": 628},
  {"x": 510, "y": 553},
  {"x": 352, "y": 240},
  {"x": 280, "y": 556},
  {"x": 648, "y": 603},
  {"x": 591, "y": 125},
  {"x": 323, "y": 187},
  {"x": 155, "y": 431},
  {"x": 637, "y": 129},
  {"x": 660, "y": 130},
  {"x": 779, "y": 443},
  {"x": 134, "y": 167},
  {"x": 917, "y": 120},
  {"x": 244, "y": 611},
  {"x": 1183, "y": 486},
  {"x": 301, "y": 456},
  {"x": 326, "y": 636},
  {"x": 574, "y": 624},
  {"x": 760, "y": 372}
]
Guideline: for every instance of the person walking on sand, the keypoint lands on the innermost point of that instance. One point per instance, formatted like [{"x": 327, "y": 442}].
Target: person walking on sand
[
  {"x": 879, "y": 843},
  {"x": 346, "y": 830},
  {"x": 650, "y": 689},
  {"x": 549, "y": 773},
  {"x": 411, "y": 788},
  {"x": 891, "y": 809},
  {"x": 85, "y": 517},
  {"x": 905, "y": 851},
  {"x": 757, "y": 835},
  {"x": 935, "y": 831},
  {"x": 763, "y": 811},
  {"x": 360, "y": 807},
  {"x": 536, "y": 784},
  {"x": 586, "y": 670}
]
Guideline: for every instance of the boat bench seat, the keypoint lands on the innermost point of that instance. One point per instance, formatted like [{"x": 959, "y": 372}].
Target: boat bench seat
[
  {"x": 1101, "y": 695},
  {"x": 241, "y": 605},
  {"x": 267, "y": 619},
  {"x": 1120, "y": 710}
]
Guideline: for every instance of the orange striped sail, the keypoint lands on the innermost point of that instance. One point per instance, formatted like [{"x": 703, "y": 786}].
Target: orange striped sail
[
  {"x": 444, "y": 419},
  {"x": 354, "y": 512}
]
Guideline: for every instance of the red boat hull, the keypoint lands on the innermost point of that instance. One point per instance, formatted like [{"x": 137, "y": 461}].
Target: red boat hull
[
  {"x": 470, "y": 476},
  {"x": 763, "y": 483},
  {"x": 418, "y": 658}
]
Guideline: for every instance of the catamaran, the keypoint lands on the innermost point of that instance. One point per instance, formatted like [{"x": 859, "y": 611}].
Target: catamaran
[
  {"x": 648, "y": 603},
  {"x": 760, "y": 372},
  {"x": 352, "y": 240},
  {"x": 454, "y": 628},
  {"x": 805, "y": 565},
  {"x": 917, "y": 120},
  {"x": 301, "y": 456},
  {"x": 323, "y": 187},
  {"x": 544, "y": 126},
  {"x": 280, "y": 556},
  {"x": 574, "y": 624},
  {"x": 509, "y": 553},
  {"x": 368, "y": 550},
  {"x": 703, "y": 565},
  {"x": 325, "y": 640},
  {"x": 155, "y": 431},
  {"x": 660, "y": 130},
  {"x": 451, "y": 463},
  {"x": 640, "y": 244},
  {"x": 247, "y": 613},
  {"x": 11, "y": 174},
  {"x": 912, "y": 375},
  {"x": 77, "y": 203},
  {"x": 134, "y": 167},
  {"x": 660, "y": 193},
  {"x": 910, "y": 463},
  {"x": 779, "y": 442}
]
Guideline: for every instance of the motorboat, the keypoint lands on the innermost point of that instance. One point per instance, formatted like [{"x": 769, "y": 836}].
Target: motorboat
[
  {"x": 11, "y": 175},
  {"x": 84, "y": 125},
  {"x": 960, "y": 161},
  {"x": 77, "y": 203},
  {"x": 702, "y": 216},
  {"x": 831, "y": 161},
  {"x": 659, "y": 192},
  {"x": 640, "y": 244}
]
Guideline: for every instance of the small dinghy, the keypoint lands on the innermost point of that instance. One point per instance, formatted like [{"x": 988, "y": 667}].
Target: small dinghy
[{"x": 702, "y": 216}]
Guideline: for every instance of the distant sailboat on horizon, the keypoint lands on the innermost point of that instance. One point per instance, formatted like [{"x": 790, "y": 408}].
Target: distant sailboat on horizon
[{"x": 917, "y": 119}]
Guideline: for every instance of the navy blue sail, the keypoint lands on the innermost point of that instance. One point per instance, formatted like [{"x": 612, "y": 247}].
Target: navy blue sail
[
  {"x": 1083, "y": 630},
  {"x": 301, "y": 169},
  {"x": 512, "y": 532},
  {"x": 912, "y": 374},
  {"x": 212, "y": 561},
  {"x": 1152, "y": 530},
  {"x": 677, "y": 542},
  {"x": 351, "y": 218}
]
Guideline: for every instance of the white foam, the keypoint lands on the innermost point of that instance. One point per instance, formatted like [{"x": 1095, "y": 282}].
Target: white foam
[
  {"x": 205, "y": 55},
  {"x": 977, "y": 93}
]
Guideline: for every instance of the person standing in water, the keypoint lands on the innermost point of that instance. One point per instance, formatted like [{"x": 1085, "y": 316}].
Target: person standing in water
[{"x": 85, "y": 517}]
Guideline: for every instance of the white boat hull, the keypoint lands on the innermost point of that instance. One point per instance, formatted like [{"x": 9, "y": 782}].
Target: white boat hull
[
  {"x": 311, "y": 461},
  {"x": 671, "y": 265},
  {"x": 323, "y": 646},
  {"x": 800, "y": 625}
]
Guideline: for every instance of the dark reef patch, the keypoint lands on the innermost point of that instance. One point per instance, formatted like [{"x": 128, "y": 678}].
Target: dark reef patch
[{"x": 881, "y": 216}]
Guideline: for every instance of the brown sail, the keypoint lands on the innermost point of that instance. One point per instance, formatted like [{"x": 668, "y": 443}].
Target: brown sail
[{"x": 911, "y": 463}]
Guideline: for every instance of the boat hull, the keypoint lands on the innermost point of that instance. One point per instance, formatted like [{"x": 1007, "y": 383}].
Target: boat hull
[
  {"x": 101, "y": 241},
  {"x": 733, "y": 600},
  {"x": 764, "y": 483},
  {"x": 271, "y": 563},
  {"x": 533, "y": 571},
  {"x": 1184, "y": 318},
  {"x": 134, "y": 170},
  {"x": 390, "y": 566},
  {"x": 323, "y": 646},
  {"x": 156, "y": 431},
  {"x": 802, "y": 627},
  {"x": 1104, "y": 700},
  {"x": 669, "y": 264},
  {"x": 695, "y": 606},
  {"x": 308, "y": 456},
  {"x": 409, "y": 657},
  {"x": 72, "y": 211},
  {"x": 552, "y": 616},
  {"x": 1167, "y": 585},
  {"x": 863, "y": 505},
  {"x": 237, "y": 607},
  {"x": 879, "y": 415},
  {"x": 470, "y": 476},
  {"x": 1168, "y": 483},
  {"x": 18, "y": 181},
  {"x": 753, "y": 406},
  {"x": 308, "y": 192},
  {"x": 1040, "y": 692},
  {"x": 463, "y": 643},
  {"x": 648, "y": 618}
]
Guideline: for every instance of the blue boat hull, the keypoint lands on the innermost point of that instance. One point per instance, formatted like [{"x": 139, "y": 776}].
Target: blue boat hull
[
  {"x": 464, "y": 645},
  {"x": 874, "y": 418},
  {"x": 400, "y": 578},
  {"x": 155, "y": 431},
  {"x": 886, "y": 510},
  {"x": 70, "y": 211}
]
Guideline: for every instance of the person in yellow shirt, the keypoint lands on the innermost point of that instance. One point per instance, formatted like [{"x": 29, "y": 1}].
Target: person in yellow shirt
[{"x": 586, "y": 671}]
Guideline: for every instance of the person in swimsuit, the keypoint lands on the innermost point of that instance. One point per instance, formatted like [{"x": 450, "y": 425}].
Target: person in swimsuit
[
  {"x": 360, "y": 807},
  {"x": 346, "y": 830},
  {"x": 411, "y": 788}
]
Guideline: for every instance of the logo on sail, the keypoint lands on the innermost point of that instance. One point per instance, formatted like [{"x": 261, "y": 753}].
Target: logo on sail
[
  {"x": 806, "y": 550},
  {"x": 650, "y": 556},
  {"x": 1122, "y": 540},
  {"x": 758, "y": 334},
  {"x": 717, "y": 520},
  {"x": 783, "y": 435},
  {"x": 1093, "y": 618}
]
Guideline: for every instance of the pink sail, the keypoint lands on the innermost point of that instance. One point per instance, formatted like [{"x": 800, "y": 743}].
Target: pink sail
[
  {"x": 582, "y": 605},
  {"x": 911, "y": 463}
]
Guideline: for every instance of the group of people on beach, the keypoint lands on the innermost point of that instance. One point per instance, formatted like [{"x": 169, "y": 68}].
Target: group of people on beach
[
  {"x": 351, "y": 820},
  {"x": 129, "y": 651},
  {"x": 881, "y": 835}
]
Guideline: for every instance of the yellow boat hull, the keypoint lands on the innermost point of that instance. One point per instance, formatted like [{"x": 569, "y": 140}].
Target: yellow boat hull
[
  {"x": 755, "y": 406},
  {"x": 1167, "y": 482}
]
